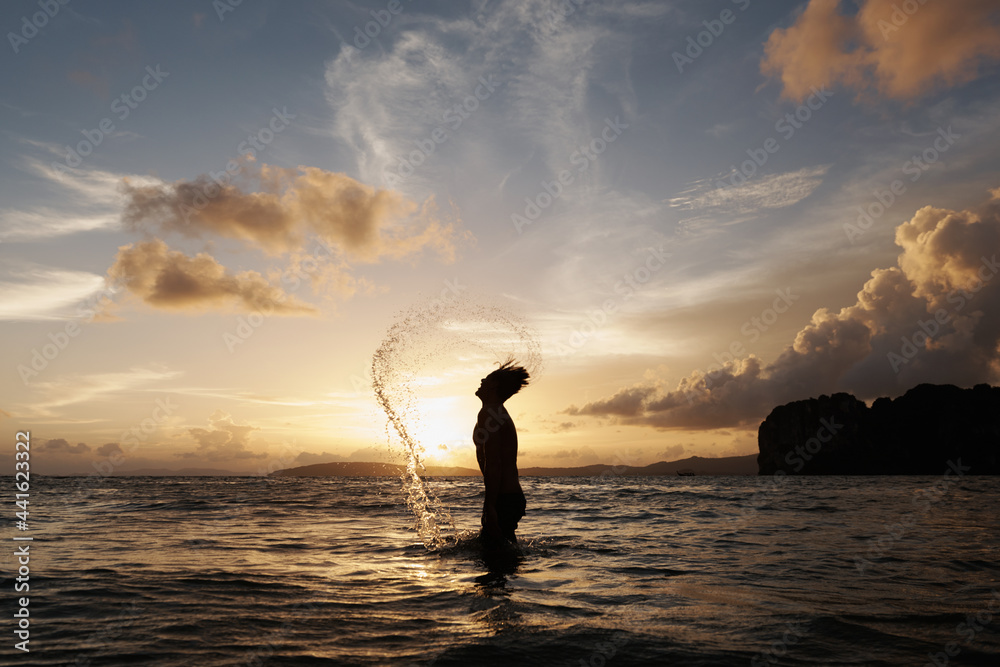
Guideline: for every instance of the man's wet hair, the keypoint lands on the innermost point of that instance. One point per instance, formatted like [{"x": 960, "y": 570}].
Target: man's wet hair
[{"x": 509, "y": 378}]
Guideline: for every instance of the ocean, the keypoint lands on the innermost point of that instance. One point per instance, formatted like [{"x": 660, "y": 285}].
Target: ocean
[{"x": 612, "y": 571}]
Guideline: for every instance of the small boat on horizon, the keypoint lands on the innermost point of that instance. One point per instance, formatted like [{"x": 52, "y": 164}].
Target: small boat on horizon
[{"x": 685, "y": 472}]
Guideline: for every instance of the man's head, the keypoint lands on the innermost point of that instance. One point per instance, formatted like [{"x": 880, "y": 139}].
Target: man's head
[{"x": 503, "y": 383}]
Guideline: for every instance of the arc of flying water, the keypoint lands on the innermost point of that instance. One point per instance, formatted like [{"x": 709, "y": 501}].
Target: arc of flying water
[{"x": 393, "y": 373}]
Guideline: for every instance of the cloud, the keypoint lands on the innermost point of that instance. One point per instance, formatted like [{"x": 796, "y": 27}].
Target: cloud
[
  {"x": 545, "y": 61},
  {"x": 169, "y": 279},
  {"x": 291, "y": 212},
  {"x": 109, "y": 449},
  {"x": 671, "y": 453},
  {"x": 43, "y": 293},
  {"x": 275, "y": 209},
  {"x": 43, "y": 222},
  {"x": 562, "y": 427},
  {"x": 624, "y": 403},
  {"x": 73, "y": 389},
  {"x": 60, "y": 446},
  {"x": 901, "y": 55},
  {"x": 4, "y": 415},
  {"x": 89, "y": 198},
  {"x": 935, "y": 317},
  {"x": 577, "y": 455},
  {"x": 223, "y": 440},
  {"x": 773, "y": 191}
]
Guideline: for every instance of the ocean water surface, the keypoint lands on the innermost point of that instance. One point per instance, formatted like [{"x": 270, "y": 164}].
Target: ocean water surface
[{"x": 612, "y": 571}]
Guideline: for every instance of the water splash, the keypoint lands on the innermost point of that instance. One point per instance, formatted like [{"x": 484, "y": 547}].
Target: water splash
[{"x": 431, "y": 340}]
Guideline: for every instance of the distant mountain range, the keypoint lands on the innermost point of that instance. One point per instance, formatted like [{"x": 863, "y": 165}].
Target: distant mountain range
[
  {"x": 183, "y": 472},
  {"x": 731, "y": 465}
]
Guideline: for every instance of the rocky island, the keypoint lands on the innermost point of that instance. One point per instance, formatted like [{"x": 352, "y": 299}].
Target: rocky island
[{"x": 924, "y": 432}]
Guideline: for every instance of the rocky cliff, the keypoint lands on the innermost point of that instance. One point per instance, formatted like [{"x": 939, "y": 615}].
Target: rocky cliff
[{"x": 915, "y": 434}]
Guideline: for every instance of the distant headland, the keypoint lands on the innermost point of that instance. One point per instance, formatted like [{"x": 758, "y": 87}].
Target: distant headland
[
  {"x": 729, "y": 465},
  {"x": 927, "y": 431}
]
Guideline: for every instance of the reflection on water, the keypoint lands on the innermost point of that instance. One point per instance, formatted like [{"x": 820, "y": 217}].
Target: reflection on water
[{"x": 627, "y": 571}]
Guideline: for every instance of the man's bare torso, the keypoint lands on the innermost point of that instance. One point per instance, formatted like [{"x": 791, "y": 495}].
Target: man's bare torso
[{"x": 496, "y": 444}]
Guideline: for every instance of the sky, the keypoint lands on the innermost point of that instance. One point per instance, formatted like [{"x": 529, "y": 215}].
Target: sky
[{"x": 212, "y": 214}]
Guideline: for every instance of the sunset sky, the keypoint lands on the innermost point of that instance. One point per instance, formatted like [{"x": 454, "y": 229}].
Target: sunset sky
[{"x": 211, "y": 216}]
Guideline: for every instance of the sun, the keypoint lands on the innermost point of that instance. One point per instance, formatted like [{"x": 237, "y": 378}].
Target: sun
[{"x": 443, "y": 426}]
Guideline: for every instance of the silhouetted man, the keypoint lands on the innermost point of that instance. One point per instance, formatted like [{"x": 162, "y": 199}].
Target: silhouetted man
[{"x": 496, "y": 450}]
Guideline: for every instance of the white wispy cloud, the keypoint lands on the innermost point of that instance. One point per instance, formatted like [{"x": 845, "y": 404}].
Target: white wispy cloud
[
  {"x": 45, "y": 293},
  {"x": 44, "y": 222},
  {"x": 87, "y": 199},
  {"x": 544, "y": 66},
  {"x": 769, "y": 192},
  {"x": 73, "y": 389}
]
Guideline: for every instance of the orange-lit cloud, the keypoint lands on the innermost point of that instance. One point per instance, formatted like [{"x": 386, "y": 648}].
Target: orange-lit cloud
[
  {"x": 935, "y": 317},
  {"x": 165, "y": 278},
  {"x": 902, "y": 49},
  {"x": 223, "y": 440},
  {"x": 61, "y": 446},
  {"x": 942, "y": 250},
  {"x": 321, "y": 221},
  {"x": 110, "y": 449},
  {"x": 276, "y": 209}
]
